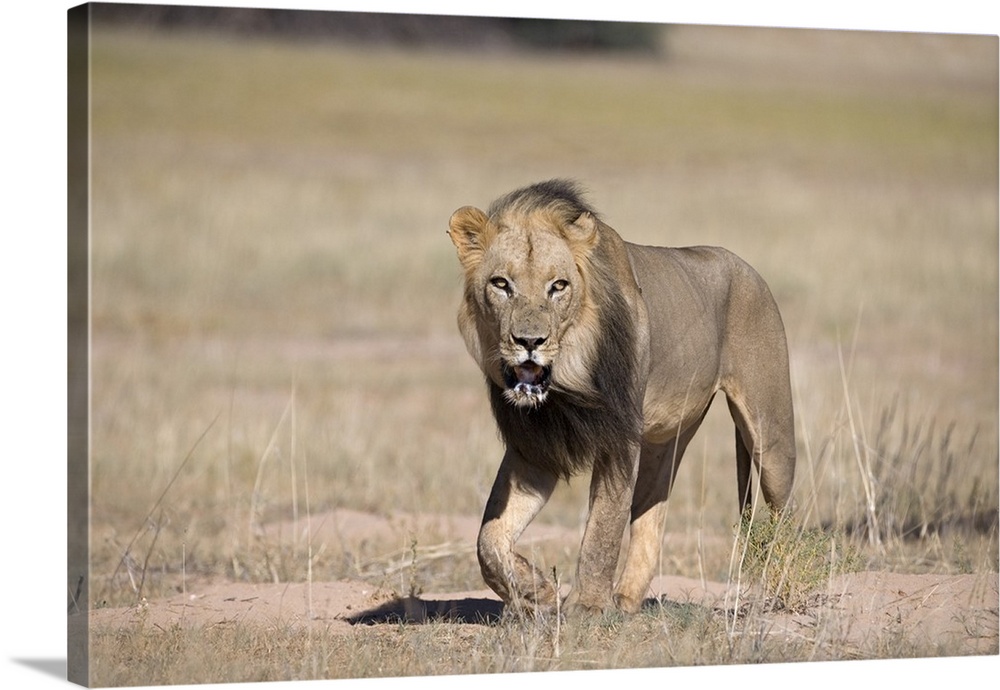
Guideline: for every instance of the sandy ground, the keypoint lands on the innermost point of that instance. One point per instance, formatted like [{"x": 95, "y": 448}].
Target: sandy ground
[{"x": 855, "y": 607}]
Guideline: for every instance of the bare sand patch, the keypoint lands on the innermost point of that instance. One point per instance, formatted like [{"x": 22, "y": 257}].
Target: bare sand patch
[{"x": 855, "y": 608}]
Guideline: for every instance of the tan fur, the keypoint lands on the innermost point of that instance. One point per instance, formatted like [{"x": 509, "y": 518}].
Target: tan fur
[{"x": 570, "y": 326}]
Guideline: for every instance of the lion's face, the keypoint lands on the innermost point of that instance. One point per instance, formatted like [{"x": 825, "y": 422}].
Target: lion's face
[
  {"x": 524, "y": 292},
  {"x": 530, "y": 289}
]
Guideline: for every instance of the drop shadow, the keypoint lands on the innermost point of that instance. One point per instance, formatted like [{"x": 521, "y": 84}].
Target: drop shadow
[
  {"x": 50, "y": 667},
  {"x": 420, "y": 611}
]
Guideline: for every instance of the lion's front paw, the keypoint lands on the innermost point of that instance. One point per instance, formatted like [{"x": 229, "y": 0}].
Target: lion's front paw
[
  {"x": 627, "y": 604},
  {"x": 579, "y": 604}
]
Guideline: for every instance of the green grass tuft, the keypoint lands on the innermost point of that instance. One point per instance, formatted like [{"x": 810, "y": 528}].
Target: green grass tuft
[{"x": 790, "y": 562}]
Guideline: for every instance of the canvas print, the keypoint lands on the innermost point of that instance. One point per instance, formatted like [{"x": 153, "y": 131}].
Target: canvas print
[{"x": 411, "y": 345}]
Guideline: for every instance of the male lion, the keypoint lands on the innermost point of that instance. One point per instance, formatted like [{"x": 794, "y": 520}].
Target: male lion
[{"x": 604, "y": 354}]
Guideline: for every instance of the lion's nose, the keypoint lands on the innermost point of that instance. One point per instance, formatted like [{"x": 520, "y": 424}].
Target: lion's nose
[{"x": 529, "y": 342}]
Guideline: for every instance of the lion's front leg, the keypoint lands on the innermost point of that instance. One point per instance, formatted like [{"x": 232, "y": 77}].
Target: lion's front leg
[
  {"x": 610, "y": 506},
  {"x": 519, "y": 492}
]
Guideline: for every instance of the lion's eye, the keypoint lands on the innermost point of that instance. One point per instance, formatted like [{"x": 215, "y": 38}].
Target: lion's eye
[
  {"x": 500, "y": 283},
  {"x": 558, "y": 286}
]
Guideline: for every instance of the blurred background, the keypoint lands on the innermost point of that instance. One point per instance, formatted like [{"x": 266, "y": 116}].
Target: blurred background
[{"x": 273, "y": 294}]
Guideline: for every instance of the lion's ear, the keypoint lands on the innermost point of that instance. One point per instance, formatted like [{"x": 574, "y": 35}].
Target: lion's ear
[
  {"x": 582, "y": 234},
  {"x": 469, "y": 231}
]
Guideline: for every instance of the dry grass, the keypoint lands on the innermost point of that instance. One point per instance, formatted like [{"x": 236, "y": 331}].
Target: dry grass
[{"x": 273, "y": 315}]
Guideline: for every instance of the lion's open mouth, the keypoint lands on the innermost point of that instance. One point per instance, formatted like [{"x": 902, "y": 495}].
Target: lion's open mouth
[{"x": 527, "y": 383}]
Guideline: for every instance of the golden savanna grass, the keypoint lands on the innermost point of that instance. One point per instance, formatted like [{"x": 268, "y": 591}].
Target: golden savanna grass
[{"x": 273, "y": 318}]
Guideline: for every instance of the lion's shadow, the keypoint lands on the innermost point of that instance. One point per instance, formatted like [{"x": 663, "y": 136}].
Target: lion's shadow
[
  {"x": 417, "y": 610},
  {"x": 479, "y": 611}
]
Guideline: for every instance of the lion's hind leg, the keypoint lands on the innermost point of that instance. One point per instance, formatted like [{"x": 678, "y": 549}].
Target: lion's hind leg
[
  {"x": 755, "y": 379},
  {"x": 765, "y": 437},
  {"x": 744, "y": 482}
]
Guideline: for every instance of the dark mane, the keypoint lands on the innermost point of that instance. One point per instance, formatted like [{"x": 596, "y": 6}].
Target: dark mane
[{"x": 562, "y": 196}]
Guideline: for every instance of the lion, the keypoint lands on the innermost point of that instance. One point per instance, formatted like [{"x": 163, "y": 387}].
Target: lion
[{"x": 604, "y": 355}]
